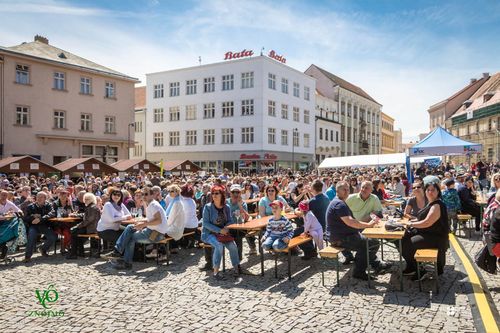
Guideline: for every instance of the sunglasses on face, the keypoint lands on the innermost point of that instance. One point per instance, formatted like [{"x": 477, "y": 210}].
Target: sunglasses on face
[
  {"x": 416, "y": 187},
  {"x": 271, "y": 191},
  {"x": 216, "y": 193},
  {"x": 116, "y": 193}
]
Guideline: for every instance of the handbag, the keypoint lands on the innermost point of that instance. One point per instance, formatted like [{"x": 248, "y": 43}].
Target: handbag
[
  {"x": 227, "y": 238},
  {"x": 485, "y": 261},
  {"x": 394, "y": 226}
]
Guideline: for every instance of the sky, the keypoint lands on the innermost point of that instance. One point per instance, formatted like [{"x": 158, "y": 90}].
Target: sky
[{"x": 407, "y": 55}]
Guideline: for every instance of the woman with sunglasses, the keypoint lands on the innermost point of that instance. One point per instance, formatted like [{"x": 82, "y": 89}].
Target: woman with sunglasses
[
  {"x": 113, "y": 214},
  {"x": 216, "y": 218},
  {"x": 271, "y": 194},
  {"x": 417, "y": 202},
  {"x": 429, "y": 231}
]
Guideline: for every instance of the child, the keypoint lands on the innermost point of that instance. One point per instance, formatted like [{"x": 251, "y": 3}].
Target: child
[
  {"x": 452, "y": 202},
  {"x": 279, "y": 229},
  {"x": 312, "y": 227}
]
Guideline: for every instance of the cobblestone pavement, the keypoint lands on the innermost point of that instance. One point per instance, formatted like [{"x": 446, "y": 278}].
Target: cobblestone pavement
[{"x": 180, "y": 298}]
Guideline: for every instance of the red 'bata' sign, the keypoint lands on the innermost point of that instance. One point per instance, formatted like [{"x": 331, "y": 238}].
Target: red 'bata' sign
[
  {"x": 235, "y": 55},
  {"x": 275, "y": 56},
  {"x": 249, "y": 157}
]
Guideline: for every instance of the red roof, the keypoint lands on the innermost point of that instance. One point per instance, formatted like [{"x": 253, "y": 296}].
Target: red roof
[{"x": 124, "y": 165}]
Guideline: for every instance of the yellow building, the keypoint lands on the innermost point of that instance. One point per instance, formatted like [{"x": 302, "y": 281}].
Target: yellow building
[{"x": 388, "y": 143}]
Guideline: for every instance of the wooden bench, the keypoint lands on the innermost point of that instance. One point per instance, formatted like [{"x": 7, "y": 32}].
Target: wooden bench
[
  {"x": 427, "y": 256},
  {"x": 330, "y": 253},
  {"x": 294, "y": 242},
  {"x": 166, "y": 241},
  {"x": 464, "y": 222},
  {"x": 90, "y": 237}
]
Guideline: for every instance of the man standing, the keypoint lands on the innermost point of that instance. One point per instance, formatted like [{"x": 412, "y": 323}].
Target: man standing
[
  {"x": 151, "y": 231},
  {"x": 345, "y": 233}
]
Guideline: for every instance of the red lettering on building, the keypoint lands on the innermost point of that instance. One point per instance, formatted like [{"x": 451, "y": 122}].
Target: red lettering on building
[
  {"x": 270, "y": 157},
  {"x": 235, "y": 55},
  {"x": 275, "y": 56},
  {"x": 249, "y": 157}
]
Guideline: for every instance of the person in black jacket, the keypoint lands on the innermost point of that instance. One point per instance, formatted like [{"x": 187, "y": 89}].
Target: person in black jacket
[
  {"x": 468, "y": 200},
  {"x": 36, "y": 218}
]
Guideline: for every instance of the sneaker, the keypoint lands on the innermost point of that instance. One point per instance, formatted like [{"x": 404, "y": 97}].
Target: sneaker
[
  {"x": 115, "y": 254},
  {"x": 120, "y": 264},
  {"x": 219, "y": 276},
  {"x": 253, "y": 251}
]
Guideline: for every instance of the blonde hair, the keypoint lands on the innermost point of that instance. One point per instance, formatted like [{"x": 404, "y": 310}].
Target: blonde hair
[
  {"x": 174, "y": 188},
  {"x": 91, "y": 197}
]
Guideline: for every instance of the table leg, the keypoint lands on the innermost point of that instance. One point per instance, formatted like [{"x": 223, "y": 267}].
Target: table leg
[
  {"x": 400, "y": 265},
  {"x": 382, "y": 250},
  {"x": 368, "y": 261},
  {"x": 261, "y": 254}
]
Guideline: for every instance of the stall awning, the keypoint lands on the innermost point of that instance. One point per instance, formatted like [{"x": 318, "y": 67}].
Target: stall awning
[
  {"x": 370, "y": 160},
  {"x": 440, "y": 142}
]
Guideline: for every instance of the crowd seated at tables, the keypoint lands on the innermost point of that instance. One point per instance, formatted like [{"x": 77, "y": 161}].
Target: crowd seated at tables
[{"x": 334, "y": 206}]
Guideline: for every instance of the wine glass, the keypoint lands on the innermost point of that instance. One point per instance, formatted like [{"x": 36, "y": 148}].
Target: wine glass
[
  {"x": 237, "y": 215},
  {"x": 133, "y": 211}
]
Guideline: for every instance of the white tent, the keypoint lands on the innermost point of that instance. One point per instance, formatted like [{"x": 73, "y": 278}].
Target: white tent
[
  {"x": 370, "y": 160},
  {"x": 441, "y": 142}
]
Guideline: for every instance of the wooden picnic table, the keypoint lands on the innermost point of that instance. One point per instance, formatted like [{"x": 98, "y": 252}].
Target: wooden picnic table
[
  {"x": 381, "y": 234},
  {"x": 259, "y": 225},
  {"x": 134, "y": 220},
  {"x": 69, "y": 219},
  {"x": 387, "y": 203}
]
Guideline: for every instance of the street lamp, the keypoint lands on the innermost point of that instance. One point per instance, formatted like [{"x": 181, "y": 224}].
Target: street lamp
[
  {"x": 293, "y": 148},
  {"x": 128, "y": 141}
]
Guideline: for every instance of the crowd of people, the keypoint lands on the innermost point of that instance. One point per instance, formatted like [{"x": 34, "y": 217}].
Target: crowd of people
[{"x": 334, "y": 206}]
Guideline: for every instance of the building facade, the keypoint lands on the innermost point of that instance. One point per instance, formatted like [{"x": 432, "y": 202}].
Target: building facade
[
  {"x": 139, "y": 149},
  {"x": 327, "y": 128},
  {"x": 249, "y": 114},
  {"x": 440, "y": 112},
  {"x": 55, "y": 105},
  {"x": 478, "y": 120},
  {"x": 359, "y": 113},
  {"x": 398, "y": 141},
  {"x": 388, "y": 136}
]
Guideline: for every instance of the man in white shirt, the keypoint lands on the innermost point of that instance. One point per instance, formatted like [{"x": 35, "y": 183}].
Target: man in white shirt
[
  {"x": 145, "y": 232},
  {"x": 7, "y": 206}
]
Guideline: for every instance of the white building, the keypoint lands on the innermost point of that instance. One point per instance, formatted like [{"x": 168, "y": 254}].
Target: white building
[
  {"x": 139, "y": 151},
  {"x": 327, "y": 128},
  {"x": 240, "y": 114},
  {"x": 359, "y": 113}
]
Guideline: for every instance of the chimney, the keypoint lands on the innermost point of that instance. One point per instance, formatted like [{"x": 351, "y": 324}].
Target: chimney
[
  {"x": 472, "y": 80},
  {"x": 486, "y": 75},
  {"x": 41, "y": 39}
]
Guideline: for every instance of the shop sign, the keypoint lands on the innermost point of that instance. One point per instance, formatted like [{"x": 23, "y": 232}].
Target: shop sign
[
  {"x": 275, "y": 56},
  {"x": 236, "y": 55},
  {"x": 249, "y": 157},
  {"x": 271, "y": 157}
]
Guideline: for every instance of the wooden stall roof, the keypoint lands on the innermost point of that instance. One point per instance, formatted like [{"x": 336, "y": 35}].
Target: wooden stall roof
[
  {"x": 71, "y": 165},
  {"x": 128, "y": 165},
  {"x": 180, "y": 166},
  {"x": 24, "y": 165}
]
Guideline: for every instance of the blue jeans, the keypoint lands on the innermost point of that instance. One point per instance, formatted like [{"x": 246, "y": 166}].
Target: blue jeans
[
  {"x": 126, "y": 243},
  {"x": 274, "y": 242},
  {"x": 33, "y": 233},
  {"x": 218, "y": 247}
]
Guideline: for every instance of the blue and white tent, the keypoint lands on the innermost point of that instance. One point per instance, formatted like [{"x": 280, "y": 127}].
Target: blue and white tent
[{"x": 439, "y": 142}]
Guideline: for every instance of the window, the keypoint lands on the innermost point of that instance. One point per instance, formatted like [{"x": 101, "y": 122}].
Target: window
[
  {"x": 87, "y": 150},
  {"x": 173, "y": 138},
  {"x": 307, "y": 93},
  {"x": 348, "y": 134},
  {"x": 22, "y": 74},
  {"x": 158, "y": 90},
  {"x": 355, "y": 113},
  {"x": 190, "y": 112},
  {"x": 368, "y": 117},
  {"x": 271, "y": 135},
  {"x": 331, "y": 136},
  {"x": 209, "y": 110},
  {"x": 22, "y": 115},
  {"x": 296, "y": 89},
  {"x": 246, "y": 80},
  {"x": 336, "y": 136},
  {"x": 138, "y": 127},
  {"x": 209, "y": 84},
  {"x": 227, "y": 135},
  {"x": 158, "y": 115},
  {"x": 175, "y": 88},
  {"x": 306, "y": 140},
  {"x": 109, "y": 124},
  {"x": 284, "y": 111},
  {"x": 306, "y": 117},
  {"x": 138, "y": 150},
  {"x": 296, "y": 138},
  {"x": 158, "y": 139},
  {"x": 342, "y": 108},
  {"x": 209, "y": 136},
  {"x": 355, "y": 134},
  {"x": 321, "y": 133},
  {"x": 109, "y": 90},
  {"x": 271, "y": 108},
  {"x": 227, "y": 109},
  {"x": 174, "y": 113},
  {"x": 247, "y": 135},
  {"x": 271, "y": 81},
  {"x": 342, "y": 133},
  {"x": 228, "y": 82},
  {"x": 284, "y": 86},
  {"x": 85, "y": 85},
  {"x": 296, "y": 113},
  {"x": 59, "y": 81},
  {"x": 190, "y": 87},
  {"x": 349, "y": 109},
  {"x": 191, "y": 138},
  {"x": 284, "y": 137},
  {"x": 247, "y": 107},
  {"x": 85, "y": 122}
]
